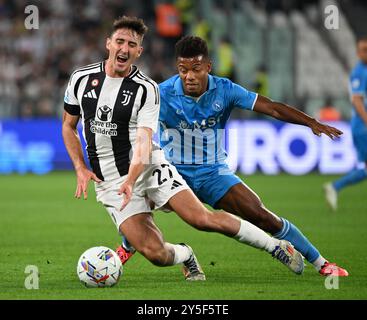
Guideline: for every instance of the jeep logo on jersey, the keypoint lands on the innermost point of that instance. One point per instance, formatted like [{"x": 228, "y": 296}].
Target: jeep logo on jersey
[
  {"x": 127, "y": 96},
  {"x": 104, "y": 113}
]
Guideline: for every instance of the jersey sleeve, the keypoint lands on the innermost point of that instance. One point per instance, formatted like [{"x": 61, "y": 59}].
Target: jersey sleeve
[
  {"x": 241, "y": 97},
  {"x": 71, "y": 103},
  {"x": 149, "y": 112},
  {"x": 358, "y": 83}
]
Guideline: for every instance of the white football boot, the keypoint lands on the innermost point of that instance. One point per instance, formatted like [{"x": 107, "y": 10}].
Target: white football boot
[
  {"x": 289, "y": 256},
  {"x": 331, "y": 196},
  {"x": 192, "y": 269}
]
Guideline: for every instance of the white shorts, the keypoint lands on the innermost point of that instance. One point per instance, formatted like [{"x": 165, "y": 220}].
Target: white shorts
[{"x": 158, "y": 183}]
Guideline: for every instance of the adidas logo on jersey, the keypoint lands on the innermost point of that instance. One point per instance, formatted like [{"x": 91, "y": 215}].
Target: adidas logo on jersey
[
  {"x": 91, "y": 94},
  {"x": 175, "y": 184}
]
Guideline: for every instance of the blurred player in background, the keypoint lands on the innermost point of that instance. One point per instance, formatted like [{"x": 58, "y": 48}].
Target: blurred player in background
[
  {"x": 119, "y": 107},
  {"x": 358, "y": 92},
  {"x": 195, "y": 101}
]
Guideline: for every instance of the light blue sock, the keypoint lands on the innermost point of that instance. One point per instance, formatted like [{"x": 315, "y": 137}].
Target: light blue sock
[
  {"x": 354, "y": 176},
  {"x": 292, "y": 234}
]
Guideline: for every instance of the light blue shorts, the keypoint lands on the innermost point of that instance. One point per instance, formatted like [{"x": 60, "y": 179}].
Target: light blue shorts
[{"x": 209, "y": 182}]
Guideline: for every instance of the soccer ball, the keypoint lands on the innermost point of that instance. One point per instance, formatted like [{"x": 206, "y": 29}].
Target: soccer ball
[{"x": 99, "y": 267}]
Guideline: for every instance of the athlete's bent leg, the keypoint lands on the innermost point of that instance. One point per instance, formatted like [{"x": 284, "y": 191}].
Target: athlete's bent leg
[
  {"x": 244, "y": 202},
  {"x": 147, "y": 239},
  {"x": 191, "y": 210}
]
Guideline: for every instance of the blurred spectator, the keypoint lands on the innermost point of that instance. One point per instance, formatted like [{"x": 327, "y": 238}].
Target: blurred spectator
[
  {"x": 261, "y": 85},
  {"x": 187, "y": 13},
  {"x": 168, "y": 20},
  {"x": 25, "y": 110},
  {"x": 224, "y": 67},
  {"x": 328, "y": 112},
  {"x": 44, "y": 108},
  {"x": 202, "y": 28},
  {"x": 36, "y": 64}
]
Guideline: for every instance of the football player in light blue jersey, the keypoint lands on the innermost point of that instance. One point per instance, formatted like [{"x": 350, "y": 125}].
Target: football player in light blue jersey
[
  {"x": 194, "y": 109},
  {"x": 358, "y": 93}
]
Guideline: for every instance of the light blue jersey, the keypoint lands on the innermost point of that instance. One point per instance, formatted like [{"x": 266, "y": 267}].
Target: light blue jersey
[
  {"x": 358, "y": 86},
  {"x": 191, "y": 130}
]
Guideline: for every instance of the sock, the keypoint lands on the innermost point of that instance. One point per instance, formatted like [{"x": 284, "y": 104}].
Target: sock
[
  {"x": 292, "y": 234},
  {"x": 182, "y": 253},
  {"x": 319, "y": 262},
  {"x": 126, "y": 245},
  {"x": 350, "y": 178},
  {"x": 255, "y": 237}
]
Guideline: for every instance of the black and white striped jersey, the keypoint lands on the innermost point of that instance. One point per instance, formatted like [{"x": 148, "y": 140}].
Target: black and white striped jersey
[{"x": 111, "y": 110}]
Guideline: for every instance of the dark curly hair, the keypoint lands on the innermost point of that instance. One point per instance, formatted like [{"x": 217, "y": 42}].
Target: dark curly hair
[{"x": 191, "y": 46}]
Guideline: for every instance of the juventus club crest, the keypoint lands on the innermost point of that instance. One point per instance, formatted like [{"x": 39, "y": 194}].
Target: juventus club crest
[{"x": 126, "y": 97}]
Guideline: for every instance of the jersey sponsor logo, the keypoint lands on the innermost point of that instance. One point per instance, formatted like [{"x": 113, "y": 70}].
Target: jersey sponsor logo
[
  {"x": 203, "y": 124},
  {"x": 182, "y": 125},
  {"x": 104, "y": 113},
  {"x": 103, "y": 125},
  {"x": 127, "y": 96},
  {"x": 91, "y": 94}
]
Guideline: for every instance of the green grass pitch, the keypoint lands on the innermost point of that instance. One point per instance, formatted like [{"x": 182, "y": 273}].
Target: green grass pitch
[{"x": 42, "y": 224}]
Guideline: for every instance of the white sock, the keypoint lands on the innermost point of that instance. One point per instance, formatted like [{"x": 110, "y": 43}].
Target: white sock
[
  {"x": 255, "y": 237},
  {"x": 319, "y": 262},
  {"x": 182, "y": 253}
]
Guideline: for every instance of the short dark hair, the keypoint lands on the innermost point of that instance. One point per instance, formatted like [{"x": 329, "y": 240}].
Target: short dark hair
[
  {"x": 191, "y": 46},
  {"x": 132, "y": 23}
]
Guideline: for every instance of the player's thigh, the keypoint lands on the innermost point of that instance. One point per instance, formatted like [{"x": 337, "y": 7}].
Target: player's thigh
[{"x": 190, "y": 209}]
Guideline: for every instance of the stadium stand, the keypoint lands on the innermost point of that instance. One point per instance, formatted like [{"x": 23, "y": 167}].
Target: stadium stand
[{"x": 303, "y": 61}]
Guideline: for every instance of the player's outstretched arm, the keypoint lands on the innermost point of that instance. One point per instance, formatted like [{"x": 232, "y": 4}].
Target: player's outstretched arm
[
  {"x": 74, "y": 148},
  {"x": 290, "y": 114}
]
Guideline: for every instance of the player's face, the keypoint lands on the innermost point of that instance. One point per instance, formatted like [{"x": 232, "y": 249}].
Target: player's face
[
  {"x": 194, "y": 74},
  {"x": 124, "y": 48},
  {"x": 362, "y": 50}
]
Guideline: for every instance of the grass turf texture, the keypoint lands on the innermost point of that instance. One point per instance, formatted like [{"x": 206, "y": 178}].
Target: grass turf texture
[{"x": 42, "y": 224}]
